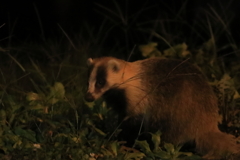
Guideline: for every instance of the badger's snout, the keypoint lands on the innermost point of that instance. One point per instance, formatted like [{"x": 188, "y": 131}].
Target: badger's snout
[{"x": 89, "y": 97}]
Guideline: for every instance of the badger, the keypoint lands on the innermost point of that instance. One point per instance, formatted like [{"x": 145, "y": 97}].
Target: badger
[{"x": 172, "y": 96}]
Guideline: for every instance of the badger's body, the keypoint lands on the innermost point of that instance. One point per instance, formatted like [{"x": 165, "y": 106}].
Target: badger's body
[{"x": 172, "y": 96}]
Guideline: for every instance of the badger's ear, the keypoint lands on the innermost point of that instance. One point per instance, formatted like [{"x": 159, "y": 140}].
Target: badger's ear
[
  {"x": 89, "y": 61},
  {"x": 114, "y": 65}
]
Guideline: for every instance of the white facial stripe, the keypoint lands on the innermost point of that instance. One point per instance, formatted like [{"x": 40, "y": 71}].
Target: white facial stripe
[{"x": 92, "y": 80}]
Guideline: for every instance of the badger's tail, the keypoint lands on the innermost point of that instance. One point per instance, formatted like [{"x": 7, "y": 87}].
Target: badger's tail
[{"x": 217, "y": 145}]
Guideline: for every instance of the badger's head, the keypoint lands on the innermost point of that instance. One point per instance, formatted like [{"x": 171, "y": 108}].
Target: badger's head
[{"x": 104, "y": 74}]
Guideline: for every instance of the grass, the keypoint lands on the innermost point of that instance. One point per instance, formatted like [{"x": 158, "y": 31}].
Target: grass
[{"x": 43, "y": 114}]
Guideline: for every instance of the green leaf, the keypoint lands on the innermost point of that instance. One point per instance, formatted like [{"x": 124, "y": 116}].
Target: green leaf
[
  {"x": 134, "y": 155},
  {"x": 53, "y": 100},
  {"x": 162, "y": 155},
  {"x": 144, "y": 147},
  {"x": 106, "y": 152},
  {"x": 59, "y": 90},
  {"x": 17, "y": 143},
  {"x": 31, "y": 96},
  {"x": 114, "y": 146},
  {"x": 156, "y": 139},
  {"x": 83, "y": 132},
  {"x": 99, "y": 131},
  {"x": 38, "y": 106},
  {"x": 150, "y": 50},
  {"x": 28, "y": 134},
  {"x": 169, "y": 147},
  {"x": 4, "y": 149},
  {"x": 180, "y": 50},
  {"x": 236, "y": 95},
  {"x": 2, "y": 117},
  {"x": 209, "y": 46},
  {"x": 90, "y": 104}
]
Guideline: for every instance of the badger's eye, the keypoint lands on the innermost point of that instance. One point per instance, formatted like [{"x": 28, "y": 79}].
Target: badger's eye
[{"x": 100, "y": 83}]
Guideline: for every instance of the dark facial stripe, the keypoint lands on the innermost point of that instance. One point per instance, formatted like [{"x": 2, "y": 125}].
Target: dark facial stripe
[{"x": 100, "y": 78}]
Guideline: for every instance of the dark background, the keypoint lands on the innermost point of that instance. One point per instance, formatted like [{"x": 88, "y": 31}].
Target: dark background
[{"x": 27, "y": 20}]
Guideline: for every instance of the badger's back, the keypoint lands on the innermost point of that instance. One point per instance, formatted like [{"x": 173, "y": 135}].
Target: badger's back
[{"x": 178, "y": 97}]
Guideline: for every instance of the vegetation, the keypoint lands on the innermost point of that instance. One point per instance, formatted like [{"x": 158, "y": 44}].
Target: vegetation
[{"x": 43, "y": 114}]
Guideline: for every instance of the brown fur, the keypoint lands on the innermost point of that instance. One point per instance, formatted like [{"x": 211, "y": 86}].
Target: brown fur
[{"x": 174, "y": 97}]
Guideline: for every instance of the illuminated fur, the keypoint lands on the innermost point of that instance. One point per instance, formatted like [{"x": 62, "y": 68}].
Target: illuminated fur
[{"x": 171, "y": 95}]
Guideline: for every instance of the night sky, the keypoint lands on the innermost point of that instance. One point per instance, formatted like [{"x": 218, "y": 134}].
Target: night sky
[{"x": 28, "y": 20}]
